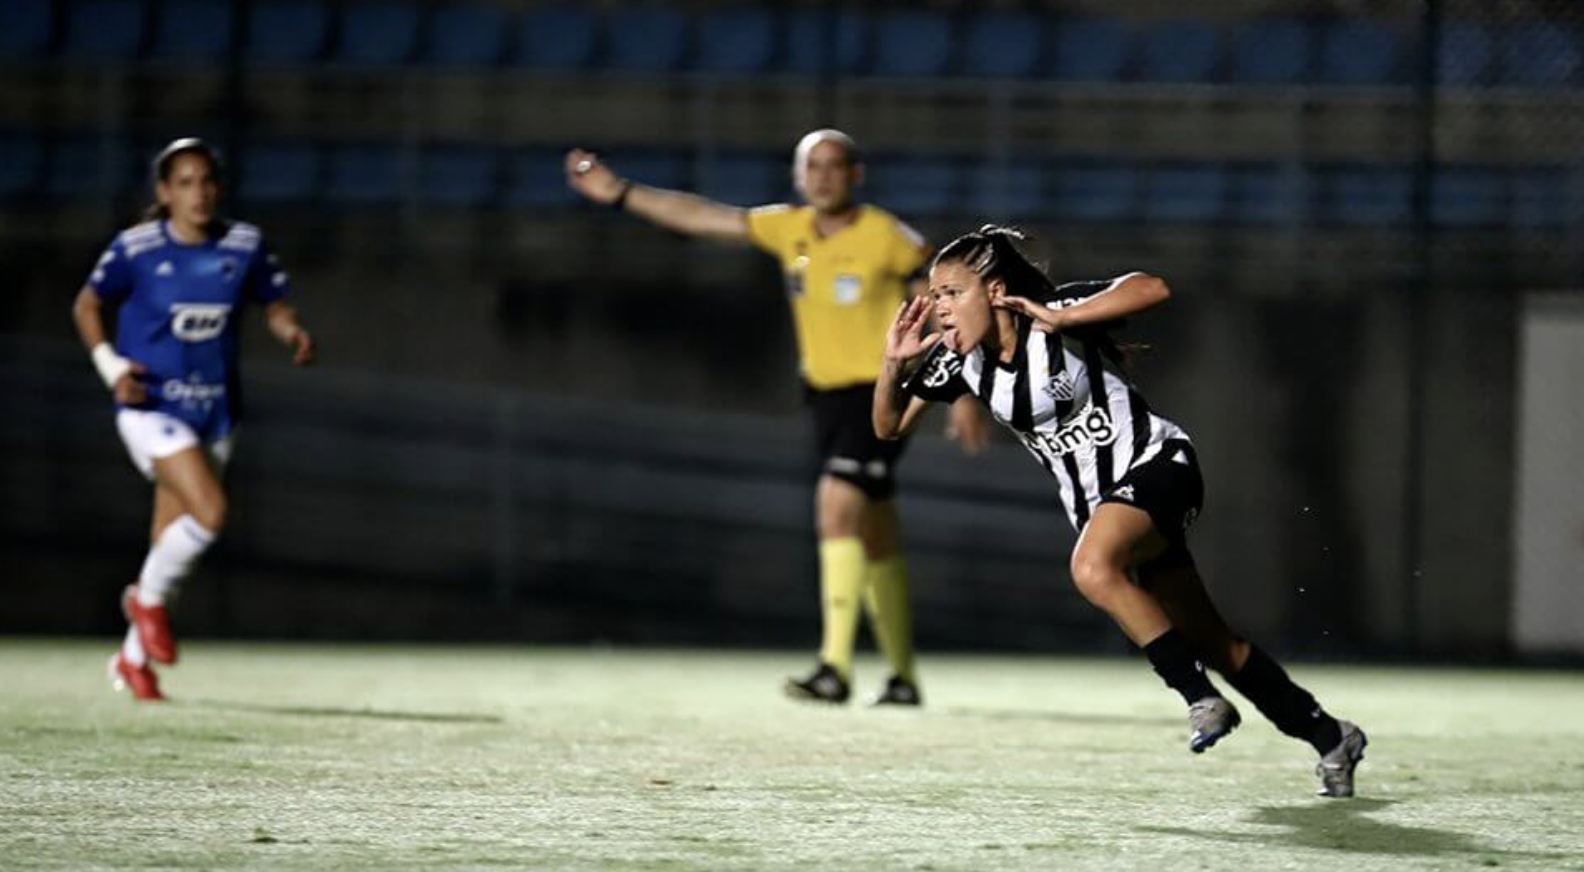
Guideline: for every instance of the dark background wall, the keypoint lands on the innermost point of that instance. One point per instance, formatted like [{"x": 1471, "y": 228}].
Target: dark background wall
[{"x": 539, "y": 420}]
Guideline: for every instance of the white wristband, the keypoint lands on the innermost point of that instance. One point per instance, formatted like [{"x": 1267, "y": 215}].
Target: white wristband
[{"x": 111, "y": 366}]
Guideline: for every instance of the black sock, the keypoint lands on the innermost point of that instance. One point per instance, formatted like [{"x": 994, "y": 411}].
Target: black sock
[
  {"x": 1291, "y": 708},
  {"x": 1177, "y": 664}
]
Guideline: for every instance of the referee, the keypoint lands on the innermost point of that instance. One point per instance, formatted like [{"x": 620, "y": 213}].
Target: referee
[{"x": 847, "y": 267}]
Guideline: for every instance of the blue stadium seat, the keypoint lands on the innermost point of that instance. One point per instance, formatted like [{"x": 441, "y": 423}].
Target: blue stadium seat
[
  {"x": 647, "y": 39},
  {"x": 30, "y": 25},
  {"x": 104, "y": 30},
  {"x": 535, "y": 180},
  {"x": 191, "y": 30},
  {"x": 378, "y": 32},
  {"x": 1092, "y": 50},
  {"x": 1367, "y": 196},
  {"x": 1360, "y": 53},
  {"x": 88, "y": 167},
  {"x": 662, "y": 169},
  {"x": 746, "y": 180},
  {"x": 1002, "y": 192},
  {"x": 467, "y": 35},
  {"x": 737, "y": 39},
  {"x": 912, "y": 187},
  {"x": 1540, "y": 199},
  {"x": 1278, "y": 52},
  {"x": 1180, "y": 52},
  {"x": 1268, "y": 195},
  {"x": 1466, "y": 197},
  {"x": 1003, "y": 45},
  {"x": 913, "y": 44},
  {"x": 459, "y": 176},
  {"x": 1097, "y": 192},
  {"x": 563, "y": 36},
  {"x": 21, "y": 164},
  {"x": 1464, "y": 54},
  {"x": 365, "y": 174},
  {"x": 287, "y": 30},
  {"x": 280, "y": 172},
  {"x": 1541, "y": 53},
  {"x": 819, "y": 41},
  {"x": 1196, "y": 194}
]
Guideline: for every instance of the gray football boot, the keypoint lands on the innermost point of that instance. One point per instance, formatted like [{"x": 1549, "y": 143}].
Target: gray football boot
[
  {"x": 1211, "y": 718},
  {"x": 1336, "y": 765}
]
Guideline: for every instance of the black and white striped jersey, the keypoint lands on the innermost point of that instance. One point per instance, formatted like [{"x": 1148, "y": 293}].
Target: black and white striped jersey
[{"x": 1084, "y": 423}]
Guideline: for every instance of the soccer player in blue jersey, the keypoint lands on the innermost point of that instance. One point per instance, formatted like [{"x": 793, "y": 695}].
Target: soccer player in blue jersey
[{"x": 178, "y": 283}]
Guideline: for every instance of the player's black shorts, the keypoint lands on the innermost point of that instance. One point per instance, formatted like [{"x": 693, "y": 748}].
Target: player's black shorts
[
  {"x": 845, "y": 443},
  {"x": 1170, "y": 488}
]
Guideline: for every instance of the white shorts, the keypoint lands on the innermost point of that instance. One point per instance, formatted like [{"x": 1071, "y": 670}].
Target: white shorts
[{"x": 151, "y": 436}]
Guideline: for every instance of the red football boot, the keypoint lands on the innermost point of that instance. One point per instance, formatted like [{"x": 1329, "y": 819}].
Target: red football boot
[
  {"x": 141, "y": 680},
  {"x": 153, "y": 626}
]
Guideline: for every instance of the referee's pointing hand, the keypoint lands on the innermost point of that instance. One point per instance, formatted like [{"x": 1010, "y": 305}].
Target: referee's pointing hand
[{"x": 589, "y": 176}]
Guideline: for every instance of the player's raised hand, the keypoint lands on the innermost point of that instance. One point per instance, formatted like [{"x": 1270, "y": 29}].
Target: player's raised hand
[
  {"x": 129, "y": 389},
  {"x": 591, "y": 177},
  {"x": 1046, "y": 319},
  {"x": 906, "y": 340}
]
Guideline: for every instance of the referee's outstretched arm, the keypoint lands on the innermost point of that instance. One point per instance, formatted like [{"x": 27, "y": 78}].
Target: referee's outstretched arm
[{"x": 674, "y": 210}]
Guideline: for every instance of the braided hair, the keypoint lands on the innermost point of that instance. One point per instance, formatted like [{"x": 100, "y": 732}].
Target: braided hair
[{"x": 991, "y": 252}]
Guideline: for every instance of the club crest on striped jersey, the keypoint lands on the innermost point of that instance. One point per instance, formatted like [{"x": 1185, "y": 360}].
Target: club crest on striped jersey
[{"x": 1060, "y": 387}]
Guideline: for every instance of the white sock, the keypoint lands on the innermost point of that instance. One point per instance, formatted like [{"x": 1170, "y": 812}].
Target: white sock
[
  {"x": 171, "y": 558},
  {"x": 132, "y": 648}
]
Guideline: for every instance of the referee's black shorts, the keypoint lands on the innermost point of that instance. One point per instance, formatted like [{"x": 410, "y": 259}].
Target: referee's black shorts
[{"x": 845, "y": 443}]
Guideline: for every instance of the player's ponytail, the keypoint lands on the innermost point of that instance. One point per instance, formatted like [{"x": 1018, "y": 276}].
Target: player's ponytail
[{"x": 991, "y": 252}]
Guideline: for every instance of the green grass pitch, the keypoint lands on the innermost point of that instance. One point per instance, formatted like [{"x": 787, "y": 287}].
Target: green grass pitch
[{"x": 360, "y": 757}]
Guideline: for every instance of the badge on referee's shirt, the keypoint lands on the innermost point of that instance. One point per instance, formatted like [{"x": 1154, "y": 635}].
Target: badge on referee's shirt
[{"x": 849, "y": 289}]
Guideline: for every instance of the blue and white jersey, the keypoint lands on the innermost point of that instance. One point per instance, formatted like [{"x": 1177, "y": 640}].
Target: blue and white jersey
[{"x": 178, "y": 311}]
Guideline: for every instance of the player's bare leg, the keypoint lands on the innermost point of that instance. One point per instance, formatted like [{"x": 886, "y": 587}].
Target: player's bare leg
[
  {"x": 1116, "y": 539},
  {"x": 189, "y": 510}
]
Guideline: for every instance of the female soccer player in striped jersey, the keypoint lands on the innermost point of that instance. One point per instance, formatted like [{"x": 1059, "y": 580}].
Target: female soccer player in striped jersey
[
  {"x": 1042, "y": 359},
  {"x": 847, "y": 265},
  {"x": 178, "y": 283}
]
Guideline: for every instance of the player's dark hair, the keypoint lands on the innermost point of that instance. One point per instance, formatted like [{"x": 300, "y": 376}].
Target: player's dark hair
[
  {"x": 160, "y": 168},
  {"x": 991, "y": 252}
]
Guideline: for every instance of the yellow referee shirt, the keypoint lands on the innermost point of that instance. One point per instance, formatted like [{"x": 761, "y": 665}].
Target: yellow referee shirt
[{"x": 844, "y": 288}]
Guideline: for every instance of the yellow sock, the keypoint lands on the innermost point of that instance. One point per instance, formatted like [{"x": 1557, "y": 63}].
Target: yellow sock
[
  {"x": 890, "y": 615},
  {"x": 841, "y": 592}
]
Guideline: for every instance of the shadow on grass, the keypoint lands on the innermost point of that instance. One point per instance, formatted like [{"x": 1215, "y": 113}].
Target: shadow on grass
[
  {"x": 305, "y": 711},
  {"x": 1343, "y": 825},
  {"x": 1058, "y": 717}
]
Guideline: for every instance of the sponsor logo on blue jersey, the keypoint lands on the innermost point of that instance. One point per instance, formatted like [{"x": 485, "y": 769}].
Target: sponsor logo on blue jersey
[{"x": 199, "y": 322}]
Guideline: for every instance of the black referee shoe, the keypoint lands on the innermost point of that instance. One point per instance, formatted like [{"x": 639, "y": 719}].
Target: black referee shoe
[
  {"x": 898, "y": 691},
  {"x": 824, "y": 685}
]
